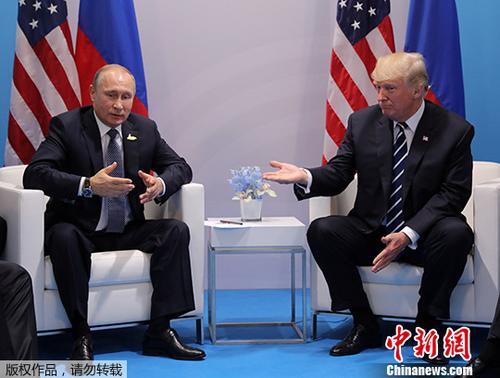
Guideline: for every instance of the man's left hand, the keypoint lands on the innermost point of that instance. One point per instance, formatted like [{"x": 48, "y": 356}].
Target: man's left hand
[
  {"x": 395, "y": 243},
  {"x": 154, "y": 187}
]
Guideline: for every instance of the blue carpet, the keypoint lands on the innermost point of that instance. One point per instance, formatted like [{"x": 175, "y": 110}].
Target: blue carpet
[{"x": 277, "y": 360}]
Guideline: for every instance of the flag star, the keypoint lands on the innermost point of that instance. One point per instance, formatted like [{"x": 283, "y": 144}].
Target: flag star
[
  {"x": 358, "y": 6},
  {"x": 22, "y": 2},
  {"x": 355, "y": 25},
  {"x": 372, "y": 11},
  {"x": 342, "y": 3},
  {"x": 33, "y": 24},
  {"x": 37, "y": 5},
  {"x": 52, "y": 8}
]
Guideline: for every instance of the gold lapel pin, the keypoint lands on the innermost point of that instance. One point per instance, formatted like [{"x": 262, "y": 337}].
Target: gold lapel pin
[
  {"x": 425, "y": 138},
  {"x": 131, "y": 137}
]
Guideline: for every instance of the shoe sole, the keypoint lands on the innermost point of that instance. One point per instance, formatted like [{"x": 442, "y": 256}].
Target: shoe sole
[
  {"x": 161, "y": 353},
  {"x": 371, "y": 346}
]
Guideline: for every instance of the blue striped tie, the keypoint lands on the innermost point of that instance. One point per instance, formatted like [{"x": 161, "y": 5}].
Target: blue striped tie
[
  {"x": 115, "y": 205},
  {"x": 394, "y": 217}
]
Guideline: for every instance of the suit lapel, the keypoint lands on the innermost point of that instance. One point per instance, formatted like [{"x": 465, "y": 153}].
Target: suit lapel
[
  {"x": 421, "y": 141},
  {"x": 93, "y": 140},
  {"x": 131, "y": 140},
  {"x": 384, "y": 152}
]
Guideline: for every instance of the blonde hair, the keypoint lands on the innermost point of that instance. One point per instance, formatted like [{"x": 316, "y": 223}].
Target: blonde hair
[{"x": 402, "y": 65}]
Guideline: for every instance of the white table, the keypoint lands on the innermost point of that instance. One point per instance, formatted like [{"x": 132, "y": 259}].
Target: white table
[{"x": 273, "y": 235}]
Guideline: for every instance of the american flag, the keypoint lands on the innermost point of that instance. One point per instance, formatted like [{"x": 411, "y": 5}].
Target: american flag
[
  {"x": 362, "y": 33},
  {"x": 45, "y": 80}
]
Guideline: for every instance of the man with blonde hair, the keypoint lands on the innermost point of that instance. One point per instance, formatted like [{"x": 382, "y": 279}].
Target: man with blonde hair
[{"x": 414, "y": 167}]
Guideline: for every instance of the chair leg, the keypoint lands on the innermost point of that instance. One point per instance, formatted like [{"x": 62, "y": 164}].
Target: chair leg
[
  {"x": 199, "y": 331},
  {"x": 315, "y": 326}
]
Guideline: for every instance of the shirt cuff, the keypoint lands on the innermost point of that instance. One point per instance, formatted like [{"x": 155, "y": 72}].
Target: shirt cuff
[
  {"x": 164, "y": 186},
  {"x": 80, "y": 187},
  {"x": 412, "y": 235},
  {"x": 307, "y": 188}
]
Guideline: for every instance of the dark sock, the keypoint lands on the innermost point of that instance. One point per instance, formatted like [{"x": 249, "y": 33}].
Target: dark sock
[
  {"x": 427, "y": 322},
  {"x": 80, "y": 328},
  {"x": 159, "y": 324},
  {"x": 365, "y": 317},
  {"x": 491, "y": 352}
]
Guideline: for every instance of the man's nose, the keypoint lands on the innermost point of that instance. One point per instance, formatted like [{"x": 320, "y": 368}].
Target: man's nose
[{"x": 381, "y": 95}]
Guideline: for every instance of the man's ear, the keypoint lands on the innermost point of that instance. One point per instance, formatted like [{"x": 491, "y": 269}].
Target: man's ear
[
  {"x": 92, "y": 92},
  {"x": 419, "y": 91}
]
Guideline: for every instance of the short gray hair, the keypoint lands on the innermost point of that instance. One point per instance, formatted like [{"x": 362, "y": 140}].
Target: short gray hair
[{"x": 107, "y": 67}]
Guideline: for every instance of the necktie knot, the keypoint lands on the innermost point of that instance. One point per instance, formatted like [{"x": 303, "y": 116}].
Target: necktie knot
[{"x": 112, "y": 133}]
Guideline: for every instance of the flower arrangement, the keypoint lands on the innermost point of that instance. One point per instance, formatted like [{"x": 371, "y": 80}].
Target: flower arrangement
[{"x": 248, "y": 184}]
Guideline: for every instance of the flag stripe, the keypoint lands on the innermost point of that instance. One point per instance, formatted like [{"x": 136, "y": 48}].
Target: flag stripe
[
  {"x": 33, "y": 67},
  {"x": 364, "y": 51},
  {"x": 335, "y": 98},
  {"x": 334, "y": 126},
  {"x": 56, "y": 73},
  {"x": 25, "y": 118},
  {"x": 58, "y": 43},
  {"x": 19, "y": 142},
  {"x": 25, "y": 86},
  {"x": 346, "y": 84},
  {"x": 387, "y": 33}
]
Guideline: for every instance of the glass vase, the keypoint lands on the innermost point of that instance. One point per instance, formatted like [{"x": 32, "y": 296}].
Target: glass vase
[{"x": 251, "y": 210}]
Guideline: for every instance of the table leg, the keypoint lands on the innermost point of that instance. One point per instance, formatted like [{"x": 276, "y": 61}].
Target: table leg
[
  {"x": 304, "y": 296},
  {"x": 292, "y": 284}
]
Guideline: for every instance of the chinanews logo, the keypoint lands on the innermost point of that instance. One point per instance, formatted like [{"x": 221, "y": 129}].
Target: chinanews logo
[{"x": 454, "y": 343}]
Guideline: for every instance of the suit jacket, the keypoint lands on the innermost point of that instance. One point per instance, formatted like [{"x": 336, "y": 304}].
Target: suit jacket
[
  {"x": 73, "y": 149},
  {"x": 437, "y": 179}
]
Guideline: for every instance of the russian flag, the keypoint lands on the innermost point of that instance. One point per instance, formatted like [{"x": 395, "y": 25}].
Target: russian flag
[
  {"x": 432, "y": 30},
  {"x": 107, "y": 33}
]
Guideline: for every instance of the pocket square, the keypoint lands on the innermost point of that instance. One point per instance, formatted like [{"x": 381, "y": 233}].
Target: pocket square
[{"x": 131, "y": 137}]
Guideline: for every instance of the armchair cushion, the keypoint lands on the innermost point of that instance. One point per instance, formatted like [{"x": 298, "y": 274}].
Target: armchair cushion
[
  {"x": 110, "y": 268},
  {"x": 407, "y": 274}
]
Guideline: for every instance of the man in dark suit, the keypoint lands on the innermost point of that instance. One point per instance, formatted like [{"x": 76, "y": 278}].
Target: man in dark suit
[
  {"x": 95, "y": 165},
  {"x": 414, "y": 168},
  {"x": 17, "y": 313}
]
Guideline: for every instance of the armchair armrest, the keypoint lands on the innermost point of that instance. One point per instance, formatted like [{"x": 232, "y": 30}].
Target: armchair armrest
[
  {"x": 487, "y": 248},
  {"x": 24, "y": 212}
]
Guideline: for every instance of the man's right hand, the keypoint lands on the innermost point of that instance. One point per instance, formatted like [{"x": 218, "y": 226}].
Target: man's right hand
[
  {"x": 105, "y": 185},
  {"x": 287, "y": 174}
]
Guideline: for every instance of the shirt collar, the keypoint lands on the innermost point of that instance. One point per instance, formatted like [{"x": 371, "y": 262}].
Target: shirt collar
[
  {"x": 413, "y": 121},
  {"x": 103, "y": 129}
]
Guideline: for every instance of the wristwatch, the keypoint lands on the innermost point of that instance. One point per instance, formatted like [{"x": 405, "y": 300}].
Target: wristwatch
[{"x": 87, "y": 188}]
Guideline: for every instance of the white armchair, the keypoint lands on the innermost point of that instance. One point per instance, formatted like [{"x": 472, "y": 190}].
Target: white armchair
[
  {"x": 393, "y": 292},
  {"x": 120, "y": 288}
]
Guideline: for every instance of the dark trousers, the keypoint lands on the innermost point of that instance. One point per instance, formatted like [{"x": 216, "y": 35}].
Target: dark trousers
[
  {"x": 166, "y": 239},
  {"x": 18, "y": 340},
  {"x": 338, "y": 247}
]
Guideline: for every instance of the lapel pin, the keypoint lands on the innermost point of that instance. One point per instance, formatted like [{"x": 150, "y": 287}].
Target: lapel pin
[
  {"x": 131, "y": 137},
  {"x": 425, "y": 138}
]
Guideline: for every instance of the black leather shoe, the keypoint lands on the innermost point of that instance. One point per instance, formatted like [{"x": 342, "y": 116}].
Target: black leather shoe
[
  {"x": 439, "y": 360},
  {"x": 168, "y": 344},
  {"x": 359, "y": 339},
  {"x": 478, "y": 367},
  {"x": 82, "y": 349}
]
